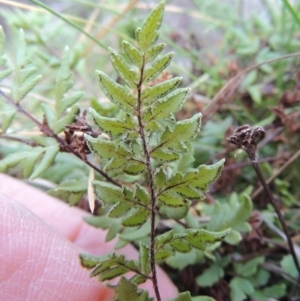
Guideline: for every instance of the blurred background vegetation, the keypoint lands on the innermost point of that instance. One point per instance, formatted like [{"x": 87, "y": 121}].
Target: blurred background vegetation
[{"x": 213, "y": 42}]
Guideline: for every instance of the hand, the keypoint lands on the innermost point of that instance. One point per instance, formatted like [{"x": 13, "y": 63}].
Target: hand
[{"x": 40, "y": 239}]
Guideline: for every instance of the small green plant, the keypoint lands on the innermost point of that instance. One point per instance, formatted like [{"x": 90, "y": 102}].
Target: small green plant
[
  {"x": 138, "y": 157},
  {"x": 146, "y": 155}
]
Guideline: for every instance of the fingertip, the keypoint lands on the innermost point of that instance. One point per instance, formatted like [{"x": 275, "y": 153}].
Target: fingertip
[{"x": 39, "y": 264}]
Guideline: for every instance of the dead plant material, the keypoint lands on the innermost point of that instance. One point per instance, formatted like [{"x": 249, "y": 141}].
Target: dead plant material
[
  {"x": 221, "y": 291},
  {"x": 289, "y": 120}
]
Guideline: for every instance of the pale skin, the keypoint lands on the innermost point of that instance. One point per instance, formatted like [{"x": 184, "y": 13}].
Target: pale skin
[{"x": 40, "y": 239}]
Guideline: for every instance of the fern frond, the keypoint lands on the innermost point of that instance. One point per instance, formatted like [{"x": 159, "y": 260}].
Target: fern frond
[{"x": 25, "y": 78}]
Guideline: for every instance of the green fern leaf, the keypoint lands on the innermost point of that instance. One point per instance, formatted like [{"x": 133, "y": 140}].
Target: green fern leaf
[
  {"x": 192, "y": 184},
  {"x": 165, "y": 108},
  {"x": 128, "y": 291},
  {"x": 60, "y": 124},
  {"x": 123, "y": 159},
  {"x": 29, "y": 164},
  {"x": 24, "y": 80},
  {"x": 117, "y": 93},
  {"x": 136, "y": 217},
  {"x": 162, "y": 239},
  {"x": 151, "y": 94},
  {"x": 234, "y": 214},
  {"x": 152, "y": 52},
  {"x": 119, "y": 209},
  {"x": 29, "y": 160},
  {"x": 49, "y": 114},
  {"x": 144, "y": 259},
  {"x": 133, "y": 53},
  {"x": 196, "y": 238},
  {"x": 174, "y": 141},
  {"x": 46, "y": 161},
  {"x": 156, "y": 67},
  {"x": 3, "y": 73},
  {"x": 134, "y": 168},
  {"x": 126, "y": 73},
  {"x": 114, "y": 127},
  {"x": 7, "y": 114},
  {"x": 147, "y": 34}
]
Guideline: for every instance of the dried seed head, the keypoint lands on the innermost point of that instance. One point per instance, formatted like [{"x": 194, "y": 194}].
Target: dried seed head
[
  {"x": 258, "y": 134},
  {"x": 246, "y": 137}
]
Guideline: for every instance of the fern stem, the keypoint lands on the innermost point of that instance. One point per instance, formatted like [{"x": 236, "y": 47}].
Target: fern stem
[
  {"x": 46, "y": 130},
  {"x": 247, "y": 138},
  {"x": 279, "y": 214},
  {"x": 151, "y": 183}
]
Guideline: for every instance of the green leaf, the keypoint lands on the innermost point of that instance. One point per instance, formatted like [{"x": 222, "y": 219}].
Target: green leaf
[
  {"x": 7, "y": 115},
  {"x": 152, "y": 52},
  {"x": 138, "y": 279},
  {"x": 234, "y": 214},
  {"x": 141, "y": 194},
  {"x": 128, "y": 291},
  {"x": 144, "y": 259},
  {"x": 170, "y": 201},
  {"x": 240, "y": 289},
  {"x": 274, "y": 291},
  {"x": 3, "y": 73},
  {"x": 119, "y": 209},
  {"x": 46, "y": 161},
  {"x": 48, "y": 154},
  {"x": 124, "y": 70},
  {"x": 199, "y": 238},
  {"x": 162, "y": 239},
  {"x": 113, "y": 273},
  {"x": 192, "y": 185},
  {"x": 160, "y": 178},
  {"x": 147, "y": 34},
  {"x": 155, "y": 68},
  {"x": 136, "y": 217},
  {"x": 210, "y": 276},
  {"x": 132, "y": 234},
  {"x": 162, "y": 255},
  {"x": 234, "y": 237},
  {"x": 90, "y": 261},
  {"x": 73, "y": 186},
  {"x": 186, "y": 296},
  {"x": 181, "y": 260},
  {"x": 203, "y": 298},
  {"x": 133, "y": 53},
  {"x": 134, "y": 168},
  {"x": 172, "y": 212},
  {"x": 113, "y": 126},
  {"x": 61, "y": 124},
  {"x": 117, "y": 93},
  {"x": 105, "y": 148},
  {"x": 180, "y": 245},
  {"x": 49, "y": 114},
  {"x": 24, "y": 80},
  {"x": 124, "y": 159},
  {"x": 29, "y": 164},
  {"x": 175, "y": 140},
  {"x": 110, "y": 194},
  {"x": 151, "y": 94},
  {"x": 166, "y": 108},
  {"x": 63, "y": 102},
  {"x": 288, "y": 265}
]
